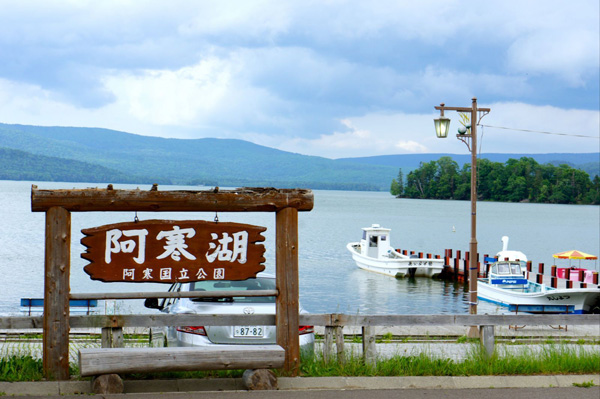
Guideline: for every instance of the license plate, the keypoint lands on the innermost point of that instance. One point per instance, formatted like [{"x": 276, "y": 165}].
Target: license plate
[{"x": 248, "y": 331}]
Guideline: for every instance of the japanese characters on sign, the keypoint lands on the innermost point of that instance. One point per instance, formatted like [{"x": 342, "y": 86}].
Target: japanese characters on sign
[{"x": 165, "y": 251}]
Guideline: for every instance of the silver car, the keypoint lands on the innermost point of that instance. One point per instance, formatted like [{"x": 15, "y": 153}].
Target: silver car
[{"x": 230, "y": 335}]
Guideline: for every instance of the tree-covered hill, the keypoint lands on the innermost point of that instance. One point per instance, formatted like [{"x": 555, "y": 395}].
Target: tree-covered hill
[
  {"x": 20, "y": 165},
  {"x": 202, "y": 161},
  {"x": 223, "y": 162}
]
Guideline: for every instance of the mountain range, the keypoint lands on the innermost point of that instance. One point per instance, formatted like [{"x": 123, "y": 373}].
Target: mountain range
[{"x": 109, "y": 156}]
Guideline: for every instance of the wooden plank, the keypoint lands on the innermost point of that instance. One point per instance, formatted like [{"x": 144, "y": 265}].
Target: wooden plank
[
  {"x": 21, "y": 322},
  {"x": 165, "y": 294},
  {"x": 287, "y": 304},
  {"x": 56, "y": 294},
  {"x": 109, "y": 199},
  {"x": 161, "y": 320},
  {"x": 442, "y": 320},
  {"x": 97, "y": 361}
]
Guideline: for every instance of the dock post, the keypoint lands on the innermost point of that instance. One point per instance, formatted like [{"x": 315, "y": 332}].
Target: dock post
[
  {"x": 582, "y": 283},
  {"x": 541, "y": 268},
  {"x": 569, "y": 284}
]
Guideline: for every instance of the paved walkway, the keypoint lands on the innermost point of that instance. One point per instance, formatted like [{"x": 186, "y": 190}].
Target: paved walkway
[{"x": 343, "y": 384}]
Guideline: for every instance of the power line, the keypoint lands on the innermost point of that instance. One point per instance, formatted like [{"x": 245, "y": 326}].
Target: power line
[{"x": 537, "y": 131}]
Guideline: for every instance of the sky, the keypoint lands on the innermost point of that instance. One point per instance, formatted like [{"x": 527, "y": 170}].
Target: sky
[{"x": 331, "y": 78}]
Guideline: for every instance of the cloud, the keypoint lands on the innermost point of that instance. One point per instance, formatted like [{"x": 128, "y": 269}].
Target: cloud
[
  {"x": 336, "y": 78},
  {"x": 568, "y": 55}
]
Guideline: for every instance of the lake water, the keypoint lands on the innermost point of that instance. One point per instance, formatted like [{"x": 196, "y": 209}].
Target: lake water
[{"x": 330, "y": 282}]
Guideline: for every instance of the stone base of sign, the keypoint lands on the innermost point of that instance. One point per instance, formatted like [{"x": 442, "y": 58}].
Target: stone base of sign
[
  {"x": 261, "y": 379},
  {"x": 107, "y": 384}
]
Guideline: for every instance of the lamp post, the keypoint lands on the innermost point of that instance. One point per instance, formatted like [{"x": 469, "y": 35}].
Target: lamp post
[{"x": 467, "y": 135}]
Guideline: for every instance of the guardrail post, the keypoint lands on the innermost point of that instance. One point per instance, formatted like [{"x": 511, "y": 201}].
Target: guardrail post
[
  {"x": 112, "y": 337},
  {"x": 328, "y": 343},
  {"x": 339, "y": 344},
  {"x": 368, "y": 345},
  {"x": 487, "y": 339}
]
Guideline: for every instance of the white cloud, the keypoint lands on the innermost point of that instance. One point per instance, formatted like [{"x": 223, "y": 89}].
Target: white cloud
[
  {"x": 336, "y": 78},
  {"x": 572, "y": 55}
]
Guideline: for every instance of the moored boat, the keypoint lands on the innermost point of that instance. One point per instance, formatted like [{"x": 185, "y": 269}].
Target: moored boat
[
  {"x": 375, "y": 253},
  {"x": 506, "y": 285}
]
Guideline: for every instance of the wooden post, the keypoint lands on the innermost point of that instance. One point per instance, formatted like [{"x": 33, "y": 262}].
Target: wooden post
[
  {"x": 569, "y": 284},
  {"x": 368, "y": 346},
  {"x": 112, "y": 337},
  {"x": 487, "y": 339},
  {"x": 582, "y": 284},
  {"x": 456, "y": 269},
  {"x": 57, "y": 265},
  {"x": 539, "y": 278},
  {"x": 339, "y": 344},
  {"x": 286, "y": 259},
  {"x": 328, "y": 343}
]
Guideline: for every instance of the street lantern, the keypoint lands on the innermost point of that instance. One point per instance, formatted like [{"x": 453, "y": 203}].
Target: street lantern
[
  {"x": 442, "y": 125},
  {"x": 469, "y": 137}
]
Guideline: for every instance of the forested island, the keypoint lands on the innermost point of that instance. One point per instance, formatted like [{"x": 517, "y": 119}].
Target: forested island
[{"x": 522, "y": 180}]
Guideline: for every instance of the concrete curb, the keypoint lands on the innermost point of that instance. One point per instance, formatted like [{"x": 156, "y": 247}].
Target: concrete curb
[{"x": 45, "y": 388}]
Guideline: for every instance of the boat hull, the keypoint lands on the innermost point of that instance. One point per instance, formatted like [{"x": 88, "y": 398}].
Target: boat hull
[
  {"x": 572, "y": 300},
  {"x": 398, "y": 267}
]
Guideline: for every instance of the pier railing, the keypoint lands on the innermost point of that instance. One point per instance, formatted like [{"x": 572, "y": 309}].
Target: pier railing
[
  {"x": 112, "y": 325},
  {"x": 457, "y": 266}
]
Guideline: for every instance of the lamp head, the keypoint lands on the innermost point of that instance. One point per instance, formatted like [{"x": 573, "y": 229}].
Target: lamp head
[{"x": 442, "y": 126}]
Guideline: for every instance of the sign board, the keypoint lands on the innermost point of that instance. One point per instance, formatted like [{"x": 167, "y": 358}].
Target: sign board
[{"x": 168, "y": 251}]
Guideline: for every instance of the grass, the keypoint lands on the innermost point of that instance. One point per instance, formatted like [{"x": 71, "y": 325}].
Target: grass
[
  {"x": 549, "y": 359},
  {"x": 587, "y": 384}
]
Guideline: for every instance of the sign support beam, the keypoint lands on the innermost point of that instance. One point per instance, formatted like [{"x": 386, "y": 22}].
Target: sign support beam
[{"x": 59, "y": 203}]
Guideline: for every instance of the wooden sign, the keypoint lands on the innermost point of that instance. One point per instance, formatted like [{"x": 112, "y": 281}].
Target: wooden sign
[{"x": 168, "y": 251}]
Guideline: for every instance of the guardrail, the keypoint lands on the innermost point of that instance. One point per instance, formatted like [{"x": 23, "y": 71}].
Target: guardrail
[{"x": 112, "y": 325}]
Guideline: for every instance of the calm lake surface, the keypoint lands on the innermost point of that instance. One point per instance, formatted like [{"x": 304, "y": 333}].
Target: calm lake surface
[{"x": 330, "y": 282}]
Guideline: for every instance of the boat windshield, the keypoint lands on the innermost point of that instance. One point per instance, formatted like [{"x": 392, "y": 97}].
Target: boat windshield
[
  {"x": 515, "y": 268},
  {"x": 503, "y": 268}
]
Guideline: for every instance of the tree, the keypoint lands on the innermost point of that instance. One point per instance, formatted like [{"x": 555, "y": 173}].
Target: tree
[{"x": 397, "y": 188}]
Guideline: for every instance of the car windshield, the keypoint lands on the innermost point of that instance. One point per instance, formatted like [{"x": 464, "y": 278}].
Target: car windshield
[{"x": 251, "y": 284}]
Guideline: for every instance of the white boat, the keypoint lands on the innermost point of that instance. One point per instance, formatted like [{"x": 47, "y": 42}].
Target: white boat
[
  {"x": 374, "y": 253},
  {"x": 506, "y": 285}
]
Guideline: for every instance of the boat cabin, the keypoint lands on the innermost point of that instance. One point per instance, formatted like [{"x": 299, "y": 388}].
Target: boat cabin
[
  {"x": 375, "y": 242},
  {"x": 507, "y": 273}
]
